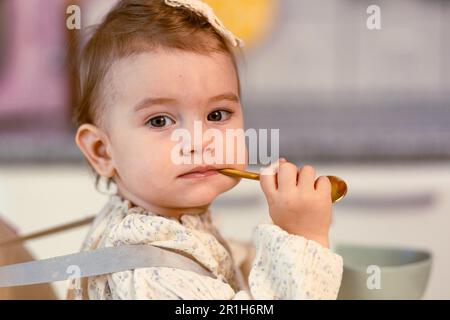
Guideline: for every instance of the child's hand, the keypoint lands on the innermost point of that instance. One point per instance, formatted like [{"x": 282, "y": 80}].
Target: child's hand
[{"x": 300, "y": 207}]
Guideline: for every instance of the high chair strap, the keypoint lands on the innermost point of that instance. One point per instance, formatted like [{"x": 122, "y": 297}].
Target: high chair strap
[{"x": 96, "y": 262}]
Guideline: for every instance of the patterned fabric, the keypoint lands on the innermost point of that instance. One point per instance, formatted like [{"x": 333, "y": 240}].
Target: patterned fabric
[{"x": 286, "y": 266}]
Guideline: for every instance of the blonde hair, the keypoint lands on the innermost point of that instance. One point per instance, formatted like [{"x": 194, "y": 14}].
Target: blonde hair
[{"x": 135, "y": 26}]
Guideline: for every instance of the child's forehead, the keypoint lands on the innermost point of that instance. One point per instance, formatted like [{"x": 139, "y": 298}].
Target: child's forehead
[
  {"x": 164, "y": 61},
  {"x": 173, "y": 74}
]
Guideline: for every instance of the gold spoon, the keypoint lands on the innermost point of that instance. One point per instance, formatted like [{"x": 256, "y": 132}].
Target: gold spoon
[
  {"x": 338, "y": 191},
  {"x": 338, "y": 186}
]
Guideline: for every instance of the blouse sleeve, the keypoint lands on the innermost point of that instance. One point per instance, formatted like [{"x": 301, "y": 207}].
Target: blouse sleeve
[{"x": 286, "y": 266}]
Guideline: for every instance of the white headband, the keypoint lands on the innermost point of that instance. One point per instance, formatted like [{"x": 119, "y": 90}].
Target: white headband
[{"x": 205, "y": 10}]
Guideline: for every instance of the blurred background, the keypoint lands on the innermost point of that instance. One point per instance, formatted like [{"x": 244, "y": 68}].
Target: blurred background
[{"x": 371, "y": 106}]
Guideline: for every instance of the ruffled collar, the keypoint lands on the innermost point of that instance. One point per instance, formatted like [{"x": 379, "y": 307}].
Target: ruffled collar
[{"x": 201, "y": 221}]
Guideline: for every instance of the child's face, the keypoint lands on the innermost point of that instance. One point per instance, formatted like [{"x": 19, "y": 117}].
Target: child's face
[{"x": 140, "y": 143}]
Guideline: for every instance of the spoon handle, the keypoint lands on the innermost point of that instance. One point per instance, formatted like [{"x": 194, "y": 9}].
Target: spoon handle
[{"x": 338, "y": 186}]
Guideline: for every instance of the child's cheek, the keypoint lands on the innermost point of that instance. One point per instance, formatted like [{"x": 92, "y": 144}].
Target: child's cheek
[
  {"x": 145, "y": 156},
  {"x": 235, "y": 151}
]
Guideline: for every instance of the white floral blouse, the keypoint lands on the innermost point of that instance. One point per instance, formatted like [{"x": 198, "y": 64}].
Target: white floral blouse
[{"x": 285, "y": 266}]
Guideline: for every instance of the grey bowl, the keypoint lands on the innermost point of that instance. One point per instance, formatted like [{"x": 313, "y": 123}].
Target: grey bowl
[{"x": 396, "y": 273}]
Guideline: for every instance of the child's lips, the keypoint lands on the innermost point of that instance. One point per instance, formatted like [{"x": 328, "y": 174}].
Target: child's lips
[
  {"x": 196, "y": 175},
  {"x": 200, "y": 172}
]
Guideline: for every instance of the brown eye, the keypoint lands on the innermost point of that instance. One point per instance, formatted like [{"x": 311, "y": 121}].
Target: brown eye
[
  {"x": 160, "y": 121},
  {"x": 219, "y": 115}
]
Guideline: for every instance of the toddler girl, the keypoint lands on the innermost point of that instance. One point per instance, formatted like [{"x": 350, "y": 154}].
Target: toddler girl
[{"x": 153, "y": 67}]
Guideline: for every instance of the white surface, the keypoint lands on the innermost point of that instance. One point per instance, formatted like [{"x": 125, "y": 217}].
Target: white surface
[{"x": 37, "y": 197}]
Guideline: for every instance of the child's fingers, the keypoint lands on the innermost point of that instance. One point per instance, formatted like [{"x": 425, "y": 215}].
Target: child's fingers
[
  {"x": 323, "y": 185},
  {"x": 268, "y": 184},
  {"x": 306, "y": 177},
  {"x": 268, "y": 179},
  {"x": 287, "y": 176}
]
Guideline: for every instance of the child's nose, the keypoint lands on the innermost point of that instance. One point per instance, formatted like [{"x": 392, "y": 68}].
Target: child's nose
[
  {"x": 197, "y": 142},
  {"x": 196, "y": 146}
]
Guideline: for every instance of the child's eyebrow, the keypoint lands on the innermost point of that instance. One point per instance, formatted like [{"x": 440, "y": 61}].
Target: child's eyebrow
[
  {"x": 150, "y": 101},
  {"x": 224, "y": 96}
]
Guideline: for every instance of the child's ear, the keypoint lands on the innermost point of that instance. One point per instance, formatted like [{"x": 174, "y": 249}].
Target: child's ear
[{"x": 94, "y": 144}]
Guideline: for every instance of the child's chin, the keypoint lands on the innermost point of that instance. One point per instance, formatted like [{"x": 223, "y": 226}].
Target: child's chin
[
  {"x": 205, "y": 198},
  {"x": 202, "y": 196}
]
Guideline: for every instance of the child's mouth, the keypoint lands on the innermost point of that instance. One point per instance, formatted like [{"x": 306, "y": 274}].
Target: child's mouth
[{"x": 200, "y": 172}]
